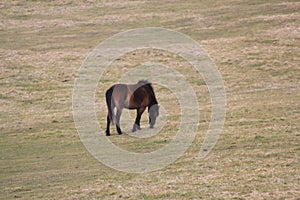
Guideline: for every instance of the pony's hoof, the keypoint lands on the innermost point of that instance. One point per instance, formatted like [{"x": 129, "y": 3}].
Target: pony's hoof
[{"x": 135, "y": 128}]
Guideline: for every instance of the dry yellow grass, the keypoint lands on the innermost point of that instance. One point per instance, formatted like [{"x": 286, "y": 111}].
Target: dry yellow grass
[{"x": 255, "y": 46}]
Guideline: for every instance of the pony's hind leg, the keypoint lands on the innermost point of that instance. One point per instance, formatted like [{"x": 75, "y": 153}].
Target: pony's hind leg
[
  {"x": 118, "y": 116},
  {"x": 107, "y": 126}
]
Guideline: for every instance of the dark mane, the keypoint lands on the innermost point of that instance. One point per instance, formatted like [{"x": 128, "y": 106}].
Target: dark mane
[
  {"x": 148, "y": 85},
  {"x": 144, "y": 82}
]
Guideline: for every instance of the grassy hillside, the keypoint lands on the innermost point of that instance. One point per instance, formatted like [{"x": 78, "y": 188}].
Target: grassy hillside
[{"x": 256, "y": 47}]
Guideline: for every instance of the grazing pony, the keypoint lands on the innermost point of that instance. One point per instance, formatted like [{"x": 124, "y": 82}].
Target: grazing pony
[{"x": 137, "y": 96}]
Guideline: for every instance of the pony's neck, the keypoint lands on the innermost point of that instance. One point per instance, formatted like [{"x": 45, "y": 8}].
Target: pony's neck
[{"x": 153, "y": 100}]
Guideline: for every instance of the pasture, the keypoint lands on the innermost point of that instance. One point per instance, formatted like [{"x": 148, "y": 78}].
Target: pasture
[{"x": 256, "y": 47}]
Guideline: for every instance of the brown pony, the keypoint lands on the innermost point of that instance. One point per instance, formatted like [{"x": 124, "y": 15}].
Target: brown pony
[{"x": 137, "y": 96}]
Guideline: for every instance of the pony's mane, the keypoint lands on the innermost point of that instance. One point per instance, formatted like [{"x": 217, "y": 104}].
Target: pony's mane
[
  {"x": 144, "y": 82},
  {"x": 148, "y": 85}
]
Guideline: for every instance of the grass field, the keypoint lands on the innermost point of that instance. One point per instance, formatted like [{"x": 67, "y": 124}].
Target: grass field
[{"x": 256, "y": 47}]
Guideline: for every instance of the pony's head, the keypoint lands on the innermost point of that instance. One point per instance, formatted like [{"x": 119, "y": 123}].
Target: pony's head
[{"x": 153, "y": 114}]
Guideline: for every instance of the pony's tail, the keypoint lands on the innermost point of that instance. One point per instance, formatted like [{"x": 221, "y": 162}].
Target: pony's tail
[{"x": 110, "y": 104}]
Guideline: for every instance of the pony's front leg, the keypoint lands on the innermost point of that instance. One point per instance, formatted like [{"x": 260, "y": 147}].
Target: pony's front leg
[
  {"x": 118, "y": 116},
  {"x": 136, "y": 125}
]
